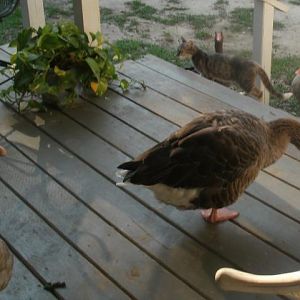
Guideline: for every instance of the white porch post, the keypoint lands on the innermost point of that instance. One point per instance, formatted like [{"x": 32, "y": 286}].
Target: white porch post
[
  {"x": 87, "y": 15},
  {"x": 263, "y": 35},
  {"x": 32, "y": 13}
]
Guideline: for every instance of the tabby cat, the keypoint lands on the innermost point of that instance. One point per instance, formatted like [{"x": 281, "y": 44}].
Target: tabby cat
[{"x": 226, "y": 70}]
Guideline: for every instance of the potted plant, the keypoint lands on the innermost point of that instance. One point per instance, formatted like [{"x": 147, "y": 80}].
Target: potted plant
[{"x": 54, "y": 64}]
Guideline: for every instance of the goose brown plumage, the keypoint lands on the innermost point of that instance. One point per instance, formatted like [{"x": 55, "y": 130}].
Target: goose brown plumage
[
  {"x": 3, "y": 151},
  {"x": 6, "y": 264},
  {"x": 210, "y": 162}
]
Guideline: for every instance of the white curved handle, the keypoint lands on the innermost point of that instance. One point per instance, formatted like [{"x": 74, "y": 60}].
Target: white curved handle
[{"x": 281, "y": 284}]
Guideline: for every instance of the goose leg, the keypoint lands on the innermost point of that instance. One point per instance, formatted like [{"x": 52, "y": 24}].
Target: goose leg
[
  {"x": 3, "y": 152},
  {"x": 213, "y": 215}
]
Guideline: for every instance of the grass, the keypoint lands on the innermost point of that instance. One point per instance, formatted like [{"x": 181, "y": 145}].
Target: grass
[
  {"x": 221, "y": 2},
  {"x": 241, "y": 19},
  {"x": 133, "y": 25},
  {"x": 168, "y": 37},
  {"x": 54, "y": 11},
  {"x": 142, "y": 10},
  {"x": 10, "y": 26},
  {"x": 174, "y": 8},
  {"x": 135, "y": 49},
  {"x": 277, "y": 25},
  {"x": 200, "y": 23},
  {"x": 108, "y": 16},
  {"x": 283, "y": 72},
  {"x": 220, "y": 6},
  {"x": 295, "y": 2},
  {"x": 202, "y": 35},
  {"x": 174, "y": 1}
]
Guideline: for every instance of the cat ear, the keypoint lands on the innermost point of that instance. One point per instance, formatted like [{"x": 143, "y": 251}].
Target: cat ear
[
  {"x": 190, "y": 43},
  {"x": 183, "y": 39}
]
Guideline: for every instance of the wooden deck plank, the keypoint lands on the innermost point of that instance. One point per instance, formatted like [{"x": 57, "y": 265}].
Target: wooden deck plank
[
  {"x": 215, "y": 90},
  {"x": 99, "y": 241},
  {"x": 216, "y": 238},
  {"x": 23, "y": 285},
  {"x": 135, "y": 115},
  {"x": 277, "y": 194},
  {"x": 177, "y": 91},
  {"x": 50, "y": 255},
  {"x": 286, "y": 169},
  {"x": 143, "y": 226},
  {"x": 176, "y": 244}
]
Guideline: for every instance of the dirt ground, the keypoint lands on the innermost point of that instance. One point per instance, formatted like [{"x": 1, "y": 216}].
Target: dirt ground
[{"x": 285, "y": 41}]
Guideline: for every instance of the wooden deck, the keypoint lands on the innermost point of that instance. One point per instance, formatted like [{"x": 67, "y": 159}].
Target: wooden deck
[{"x": 66, "y": 220}]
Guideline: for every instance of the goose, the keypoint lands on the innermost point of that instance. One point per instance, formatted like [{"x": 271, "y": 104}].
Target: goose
[
  {"x": 209, "y": 162},
  {"x": 287, "y": 284},
  {"x": 6, "y": 264}
]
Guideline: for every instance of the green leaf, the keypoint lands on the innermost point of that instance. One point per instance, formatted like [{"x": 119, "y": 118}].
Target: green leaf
[
  {"x": 36, "y": 105},
  {"x": 23, "y": 79},
  {"x": 93, "y": 36},
  {"x": 109, "y": 70},
  {"x": 94, "y": 67},
  {"x": 23, "y": 38},
  {"x": 124, "y": 84},
  {"x": 102, "y": 87},
  {"x": 50, "y": 41},
  {"x": 59, "y": 72},
  {"x": 99, "y": 38}
]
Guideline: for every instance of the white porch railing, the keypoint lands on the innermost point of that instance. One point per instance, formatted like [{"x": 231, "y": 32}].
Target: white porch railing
[
  {"x": 263, "y": 35},
  {"x": 86, "y": 14}
]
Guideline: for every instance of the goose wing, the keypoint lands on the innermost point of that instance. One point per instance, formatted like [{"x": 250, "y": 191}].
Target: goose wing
[{"x": 198, "y": 156}]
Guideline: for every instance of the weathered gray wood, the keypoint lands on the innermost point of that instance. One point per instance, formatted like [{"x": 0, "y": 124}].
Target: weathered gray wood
[
  {"x": 135, "y": 115},
  {"x": 216, "y": 238},
  {"x": 99, "y": 240},
  {"x": 177, "y": 91},
  {"x": 277, "y": 194},
  {"x": 223, "y": 94},
  {"x": 86, "y": 114},
  {"x": 253, "y": 251},
  {"x": 23, "y": 285},
  {"x": 286, "y": 169},
  {"x": 143, "y": 226},
  {"x": 33, "y": 13},
  {"x": 156, "y": 103},
  {"x": 87, "y": 15},
  {"x": 46, "y": 251}
]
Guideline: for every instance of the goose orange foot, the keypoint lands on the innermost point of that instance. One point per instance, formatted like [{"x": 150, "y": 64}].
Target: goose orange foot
[
  {"x": 3, "y": 151},
  {"x": 213, "y": 215}
]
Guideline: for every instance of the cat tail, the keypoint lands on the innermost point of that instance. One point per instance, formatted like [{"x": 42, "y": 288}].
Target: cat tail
[{"x": 267, "y": 83}]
